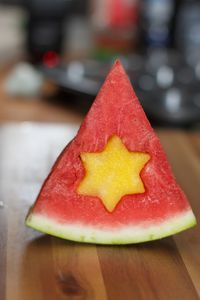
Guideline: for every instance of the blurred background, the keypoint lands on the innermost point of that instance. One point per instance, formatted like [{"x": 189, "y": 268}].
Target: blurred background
[{"x": 55, "y": 54}]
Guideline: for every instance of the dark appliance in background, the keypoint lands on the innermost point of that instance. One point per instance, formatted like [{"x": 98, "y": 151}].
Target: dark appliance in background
[
  {"x": 46, "y": 26},
  {"x": 45, "y": 29},
  {"x": 167, "y": 84},
  {"x": 187, "y": 32},
  {"x": 156, "y": 21}
]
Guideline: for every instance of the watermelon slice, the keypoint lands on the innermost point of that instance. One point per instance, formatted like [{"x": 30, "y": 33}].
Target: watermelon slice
[{"x": 112, "y": 184}]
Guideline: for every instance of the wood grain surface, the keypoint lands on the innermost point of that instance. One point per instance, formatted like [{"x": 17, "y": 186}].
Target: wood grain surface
[{"x": 34, "y": 266}]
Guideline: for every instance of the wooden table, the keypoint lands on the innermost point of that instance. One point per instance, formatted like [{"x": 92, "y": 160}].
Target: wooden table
[{"x": 34, "y": 266}]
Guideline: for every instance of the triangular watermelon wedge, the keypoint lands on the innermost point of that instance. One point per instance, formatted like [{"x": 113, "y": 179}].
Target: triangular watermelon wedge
[{"x": 70, "y": 204}]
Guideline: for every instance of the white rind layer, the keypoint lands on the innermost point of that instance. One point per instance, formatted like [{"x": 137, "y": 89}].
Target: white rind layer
[{"x": 125, "y": 235}]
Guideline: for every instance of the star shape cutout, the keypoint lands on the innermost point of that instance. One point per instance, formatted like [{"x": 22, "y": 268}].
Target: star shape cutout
[{"x": 112, "y": 173}]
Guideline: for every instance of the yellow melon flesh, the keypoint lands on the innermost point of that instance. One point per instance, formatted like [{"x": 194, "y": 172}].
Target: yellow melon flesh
[{"x": 112, "y": 173}]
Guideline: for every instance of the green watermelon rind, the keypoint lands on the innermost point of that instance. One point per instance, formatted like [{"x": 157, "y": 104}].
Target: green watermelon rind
[{"x": 130, "y": 234}]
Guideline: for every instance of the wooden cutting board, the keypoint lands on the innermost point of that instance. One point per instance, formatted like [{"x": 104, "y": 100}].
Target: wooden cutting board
[{"x": 34, "y": 266}]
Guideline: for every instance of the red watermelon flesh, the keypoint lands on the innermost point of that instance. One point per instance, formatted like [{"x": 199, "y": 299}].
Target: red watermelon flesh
[{"x": 160, "y": 211}]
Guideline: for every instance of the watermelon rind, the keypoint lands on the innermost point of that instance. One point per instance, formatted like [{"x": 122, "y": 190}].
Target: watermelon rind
[{"x": 128, "y": 234}]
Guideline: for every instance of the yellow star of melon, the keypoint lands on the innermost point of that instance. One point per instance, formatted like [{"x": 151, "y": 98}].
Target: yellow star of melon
[{"x": 112, "y": 173}]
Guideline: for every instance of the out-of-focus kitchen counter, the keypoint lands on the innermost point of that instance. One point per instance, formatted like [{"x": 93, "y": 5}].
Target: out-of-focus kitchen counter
[{"x": 42, "y": 108}]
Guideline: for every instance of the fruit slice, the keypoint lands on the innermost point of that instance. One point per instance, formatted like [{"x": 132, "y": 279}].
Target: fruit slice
[{"x": 112, "y": 184}]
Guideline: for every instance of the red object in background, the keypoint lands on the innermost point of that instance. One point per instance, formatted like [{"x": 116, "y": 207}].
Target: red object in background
[
  {"x": 51, "y": 59},
  {"x": 123, "y": 13},
  {"x": 116, "y": 25}
]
